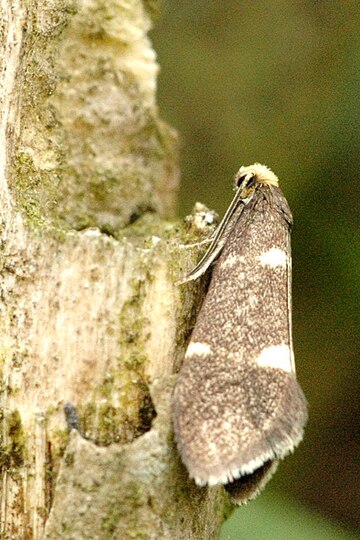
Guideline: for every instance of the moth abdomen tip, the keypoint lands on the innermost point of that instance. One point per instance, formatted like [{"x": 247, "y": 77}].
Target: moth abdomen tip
[{"x": 247, "y": 487}]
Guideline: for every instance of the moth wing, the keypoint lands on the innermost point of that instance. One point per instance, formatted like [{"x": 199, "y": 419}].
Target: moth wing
[{"x": 238, "y": 408}]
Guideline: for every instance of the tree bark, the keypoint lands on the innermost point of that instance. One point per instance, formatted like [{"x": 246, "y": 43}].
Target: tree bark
[{"x": 89, "y": 311}]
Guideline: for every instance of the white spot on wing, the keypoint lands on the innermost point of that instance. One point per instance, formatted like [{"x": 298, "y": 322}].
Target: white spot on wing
[
  {"x": 276, "y": 356},
  {"x": 201, "y": 349},
  {"x": 232, "y": 260},
  {"x": 274, "y": 257}
]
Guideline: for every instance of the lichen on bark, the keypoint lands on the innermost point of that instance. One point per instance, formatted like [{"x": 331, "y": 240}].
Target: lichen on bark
[
  {"x": 88, "y": 260},
  {"x": 91, "y": 149}
]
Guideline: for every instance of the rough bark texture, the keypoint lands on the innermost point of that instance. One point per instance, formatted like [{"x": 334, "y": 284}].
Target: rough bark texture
[{"x": 89, "y": 312}]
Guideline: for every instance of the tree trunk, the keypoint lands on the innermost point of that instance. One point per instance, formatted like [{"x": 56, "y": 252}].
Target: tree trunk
[{"x": 89, "y": 311}]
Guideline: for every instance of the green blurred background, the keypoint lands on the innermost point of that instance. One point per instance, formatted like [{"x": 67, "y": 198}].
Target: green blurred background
[{"x": 278, "y": 82}]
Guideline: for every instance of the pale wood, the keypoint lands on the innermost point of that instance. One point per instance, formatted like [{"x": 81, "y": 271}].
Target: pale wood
[{"x": 89, "y": 310}]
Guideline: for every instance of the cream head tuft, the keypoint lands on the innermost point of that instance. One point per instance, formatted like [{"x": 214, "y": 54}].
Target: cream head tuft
[{"x": 261, "y": 173}]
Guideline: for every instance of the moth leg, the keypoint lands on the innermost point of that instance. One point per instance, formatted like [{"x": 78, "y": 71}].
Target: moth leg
[{"x": 196, "y": 244}]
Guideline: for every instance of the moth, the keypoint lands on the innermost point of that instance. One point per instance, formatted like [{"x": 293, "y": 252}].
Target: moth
[{"x": 237, "y": 406}]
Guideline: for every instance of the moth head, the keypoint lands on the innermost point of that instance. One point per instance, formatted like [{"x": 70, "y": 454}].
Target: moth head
[{"x": 247, "y": 179}]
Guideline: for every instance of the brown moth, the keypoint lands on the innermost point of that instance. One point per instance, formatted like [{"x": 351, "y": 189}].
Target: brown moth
[{"x": 238, "y": 408}]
